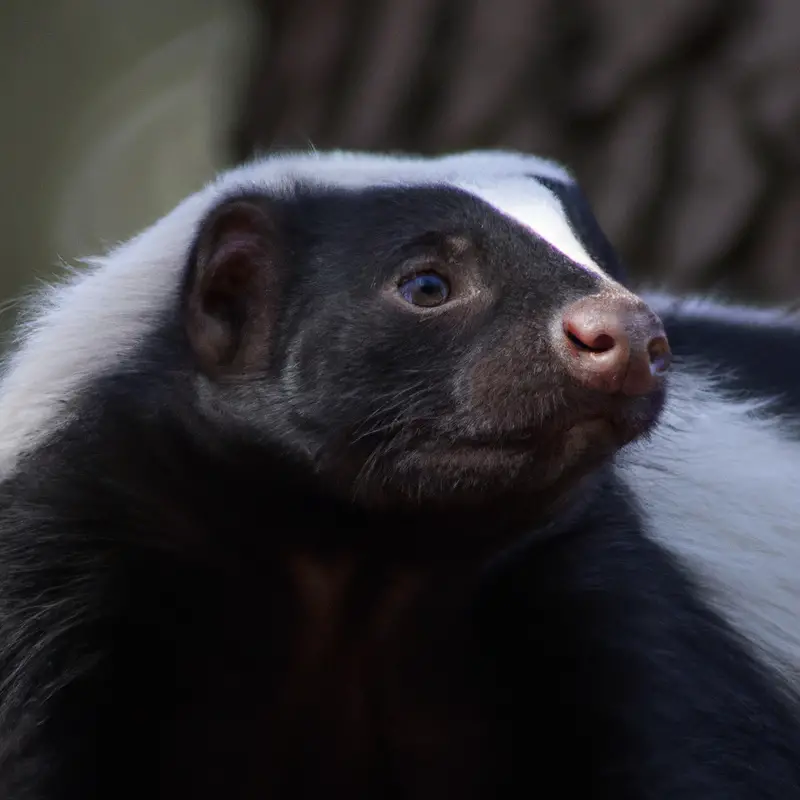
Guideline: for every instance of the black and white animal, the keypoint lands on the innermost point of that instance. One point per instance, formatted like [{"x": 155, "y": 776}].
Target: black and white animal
[{"x": 361, "y": 475}]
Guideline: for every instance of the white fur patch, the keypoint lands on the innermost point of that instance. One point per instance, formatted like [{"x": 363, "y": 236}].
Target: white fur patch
[
  {"x": 720, "y": 483},
  {"x": 82, "y": 328},
  {"x": 535, "y": 207}
]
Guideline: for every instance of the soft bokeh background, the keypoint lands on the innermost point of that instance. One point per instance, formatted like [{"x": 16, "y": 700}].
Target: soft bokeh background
[{"x": 681, "y": 117}]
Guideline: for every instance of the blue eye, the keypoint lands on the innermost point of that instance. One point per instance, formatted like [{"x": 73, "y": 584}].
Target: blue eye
[{"x": 427, "y": 290}]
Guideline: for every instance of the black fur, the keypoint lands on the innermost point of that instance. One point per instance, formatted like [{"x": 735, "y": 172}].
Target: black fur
[{"x": 309, "y": 540}]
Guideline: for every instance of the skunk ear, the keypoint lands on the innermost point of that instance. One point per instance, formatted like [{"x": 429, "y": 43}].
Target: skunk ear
[{"x": 232, "y": 290}]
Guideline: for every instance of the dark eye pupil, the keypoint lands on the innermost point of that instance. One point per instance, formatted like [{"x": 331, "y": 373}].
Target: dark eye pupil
[{"x": 425, "y": 290}]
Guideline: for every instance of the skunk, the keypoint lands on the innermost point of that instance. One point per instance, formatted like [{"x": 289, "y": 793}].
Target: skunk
[{"x": 370, "y": 475}]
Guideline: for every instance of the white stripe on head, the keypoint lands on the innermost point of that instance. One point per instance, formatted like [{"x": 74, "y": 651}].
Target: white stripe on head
[
  {"x": 535, "y": 207},
  {"x": 506, "y": 163},
  {"x": 504, "y": 180}
]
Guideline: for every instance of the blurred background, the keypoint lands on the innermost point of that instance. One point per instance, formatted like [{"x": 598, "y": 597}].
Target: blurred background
[{"x": 680, "y": 117}]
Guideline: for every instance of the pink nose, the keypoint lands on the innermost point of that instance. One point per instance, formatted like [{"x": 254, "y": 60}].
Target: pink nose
[{"x": 615, "y": 344}]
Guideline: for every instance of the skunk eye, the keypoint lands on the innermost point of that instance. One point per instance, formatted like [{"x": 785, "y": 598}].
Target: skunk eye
[{"x": 427, "y": 290}]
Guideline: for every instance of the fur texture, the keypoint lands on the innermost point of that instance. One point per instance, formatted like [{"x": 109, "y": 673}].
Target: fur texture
[
  {"x": 101, "y": 420},
  {"x": 134, "y": 285}
]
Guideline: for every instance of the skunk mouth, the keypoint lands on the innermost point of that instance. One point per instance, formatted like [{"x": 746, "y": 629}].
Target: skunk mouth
[{"x": 615, "y": 428}]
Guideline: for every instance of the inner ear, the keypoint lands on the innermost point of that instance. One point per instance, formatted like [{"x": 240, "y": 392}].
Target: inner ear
[{"x": 231, "y": 295}]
